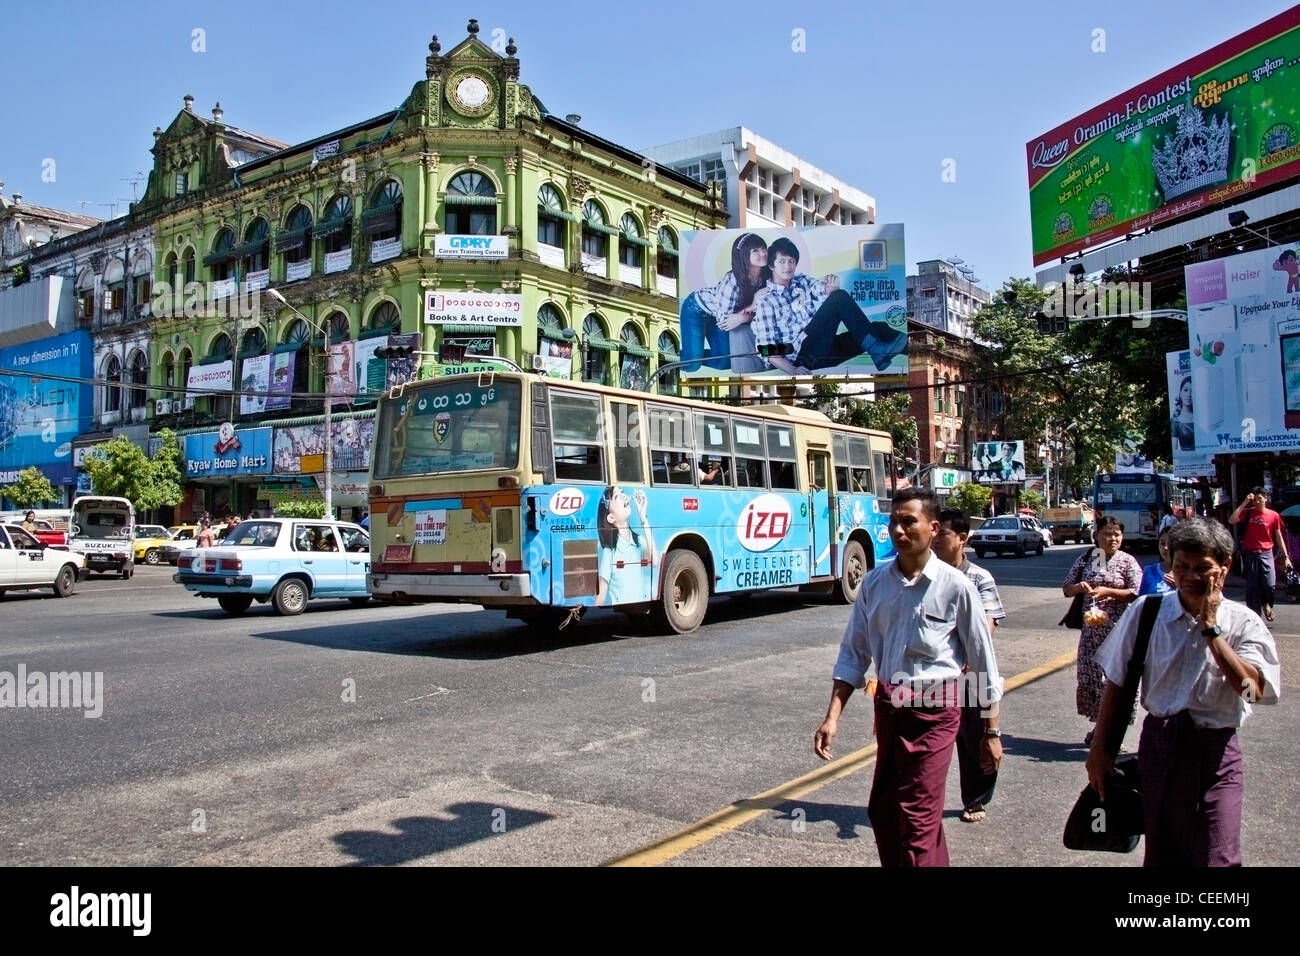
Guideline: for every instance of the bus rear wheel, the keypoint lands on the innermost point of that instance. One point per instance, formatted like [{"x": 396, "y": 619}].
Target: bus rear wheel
[
  {"x": 685, "y": 595},
  {"x": 855, "y": 568}
]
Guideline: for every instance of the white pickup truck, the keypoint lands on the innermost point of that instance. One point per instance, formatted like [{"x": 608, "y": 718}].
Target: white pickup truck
[{"x": 103, "y": 529}]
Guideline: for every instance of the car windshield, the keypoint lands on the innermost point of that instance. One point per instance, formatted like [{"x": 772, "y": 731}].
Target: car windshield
[
  {"x": 1002, "y": 523},
  {"x": 253, "y": 534}
]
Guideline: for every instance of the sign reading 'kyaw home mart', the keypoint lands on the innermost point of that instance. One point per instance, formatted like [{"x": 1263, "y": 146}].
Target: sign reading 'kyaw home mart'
[
  {"x": 476, "y": 308},
  {"x": 1212, "y": 128}
]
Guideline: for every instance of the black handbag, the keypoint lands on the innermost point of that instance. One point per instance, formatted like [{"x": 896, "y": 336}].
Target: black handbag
[
  {"x": 1074, "y": 616},
  {"x": 1114, "y": 825}
]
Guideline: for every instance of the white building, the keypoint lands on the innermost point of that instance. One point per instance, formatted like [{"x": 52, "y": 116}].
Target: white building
[{"x": 764, "y": 185}]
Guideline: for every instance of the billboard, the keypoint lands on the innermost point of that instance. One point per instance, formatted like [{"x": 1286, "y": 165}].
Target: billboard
[
  {"x": 224, "y": 452},
  {"x": 998, "y": 462},
  {"x": 1214, "y": 127},
  {"x": 353, "y": 439},
  {"x": 1243, "y": 322},
  {"x": 1188, "y": 462},
  {"x": 40, "y": 416},
  {"x": 473, "y": 308},
  {"x": 835, "y": 296}
]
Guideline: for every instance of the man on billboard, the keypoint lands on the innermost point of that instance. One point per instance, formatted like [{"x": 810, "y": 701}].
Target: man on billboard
[{"x": 806, "y": 314}]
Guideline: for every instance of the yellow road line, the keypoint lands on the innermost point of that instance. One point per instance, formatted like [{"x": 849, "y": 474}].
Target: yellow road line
[{"x": 742, "y": 811}]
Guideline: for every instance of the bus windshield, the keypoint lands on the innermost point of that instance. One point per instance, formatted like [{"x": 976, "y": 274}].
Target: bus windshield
[
  {"x": 437, "y": 428},
  {"x": 1116, "y": 493}
]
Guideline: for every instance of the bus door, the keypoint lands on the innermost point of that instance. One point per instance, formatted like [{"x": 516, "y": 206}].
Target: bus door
[{"x": 820, "y": 514}]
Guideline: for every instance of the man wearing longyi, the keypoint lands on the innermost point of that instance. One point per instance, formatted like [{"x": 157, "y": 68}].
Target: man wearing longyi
[{"x": 920, "y": 621}]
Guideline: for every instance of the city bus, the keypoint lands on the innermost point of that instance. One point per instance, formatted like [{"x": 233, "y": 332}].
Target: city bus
[
  {"x": 544, "y": 497},
  {"x": 1131, "y": 496}
]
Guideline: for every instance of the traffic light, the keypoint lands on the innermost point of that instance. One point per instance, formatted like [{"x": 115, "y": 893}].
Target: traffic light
[
  {"x": 1052, "y": 324},
  {"x": 393, "y": 351}
]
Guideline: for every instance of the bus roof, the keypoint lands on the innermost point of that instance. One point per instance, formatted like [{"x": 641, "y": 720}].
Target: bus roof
[{"x": 807, "y": 416}]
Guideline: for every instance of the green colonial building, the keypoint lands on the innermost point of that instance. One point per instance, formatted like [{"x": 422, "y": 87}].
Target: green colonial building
[{"x": 468, "y": 216}]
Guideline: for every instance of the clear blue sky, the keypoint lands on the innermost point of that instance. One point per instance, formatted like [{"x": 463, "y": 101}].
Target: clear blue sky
[{"x": 883, "y": 95}]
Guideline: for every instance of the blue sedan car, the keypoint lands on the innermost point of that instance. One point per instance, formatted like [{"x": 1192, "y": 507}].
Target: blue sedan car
[{"x": 286, "y": 561}]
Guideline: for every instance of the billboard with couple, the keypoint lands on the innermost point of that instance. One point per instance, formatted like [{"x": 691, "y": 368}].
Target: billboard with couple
[{"x": 815, "y": 300}]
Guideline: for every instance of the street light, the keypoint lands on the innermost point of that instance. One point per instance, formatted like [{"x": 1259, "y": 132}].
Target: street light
[{"x": 328, "y": 488}]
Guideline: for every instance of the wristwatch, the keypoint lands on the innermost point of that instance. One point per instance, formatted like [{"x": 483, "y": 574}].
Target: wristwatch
[
  {"x": 992, "y": 732},
  {"x": 1210, "y": 633}
]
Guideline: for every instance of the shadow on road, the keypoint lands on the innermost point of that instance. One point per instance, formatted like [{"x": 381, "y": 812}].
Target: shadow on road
[
  {"x": 846, "y": 817},
  {"x": 418, "y": 837},
  {"x": 1044, "y": 751}
]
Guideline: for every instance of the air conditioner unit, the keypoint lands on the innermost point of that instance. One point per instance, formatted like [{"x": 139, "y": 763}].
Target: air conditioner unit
[
  {"x": 534, "y": 361},
  {"x": 162, "y": 406},
  {"x": 188, "y": 403}
]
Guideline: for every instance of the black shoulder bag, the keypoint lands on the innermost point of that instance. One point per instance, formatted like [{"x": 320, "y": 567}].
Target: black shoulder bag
[
  {"x": 1074, "y": 615},
  {"x": 1114, "y": 825}
]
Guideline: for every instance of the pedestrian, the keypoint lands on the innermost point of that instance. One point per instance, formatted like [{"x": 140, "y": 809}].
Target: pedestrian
[
  {"x": 1207, "y": 661},
  {"x": 205, "y": 535},
  {"x": 1263, "y": 533},
  {"x": 1109, "y": 579},
  {"x": 1167, "y": 520},
  {"x": 976, "y": 783},
  {"x": 921, "y": 622},
  {"x": 1156, "y": 576},
  {"x": 29, "y": 522}
]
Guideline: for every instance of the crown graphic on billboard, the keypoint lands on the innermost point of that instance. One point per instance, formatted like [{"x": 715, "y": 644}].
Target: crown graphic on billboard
[{"x": 1196, "y": 156}]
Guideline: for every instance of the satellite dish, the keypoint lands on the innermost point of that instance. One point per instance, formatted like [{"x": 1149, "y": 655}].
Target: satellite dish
[{"x": 956, "y": 260}]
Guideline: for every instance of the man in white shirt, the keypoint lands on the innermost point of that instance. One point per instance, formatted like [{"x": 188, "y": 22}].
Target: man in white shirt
[
  {"x": 1208, "y": 660},
  {"x": 921, "y": 622}
]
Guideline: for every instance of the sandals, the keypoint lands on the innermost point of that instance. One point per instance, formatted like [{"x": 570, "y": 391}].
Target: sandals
[
  {"x": 1269, "y": 615},
  {"x": 974, "y": 814},
  {"x": 1087, "y": 740}
]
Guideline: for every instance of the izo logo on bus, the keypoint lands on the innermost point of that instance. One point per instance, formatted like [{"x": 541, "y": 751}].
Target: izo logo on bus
[
  {"x": 565, "y": 502},
  {"x": 764, "y": 523}
]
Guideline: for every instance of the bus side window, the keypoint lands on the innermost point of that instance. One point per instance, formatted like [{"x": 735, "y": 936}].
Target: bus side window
[
  {"x": 713, "y": 442},
  {"x": 672, "y": 461},
  {"x": 840, "y": 455},
  {"x": 781, "y": 457},
  {"x": 751, "y": 468},
  {"x": 578, "y": 443},
  {"x": 628, "y": 442}
]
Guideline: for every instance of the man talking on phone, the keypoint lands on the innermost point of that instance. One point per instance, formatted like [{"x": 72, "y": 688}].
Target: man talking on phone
[{"x": 1263, "y": 533}]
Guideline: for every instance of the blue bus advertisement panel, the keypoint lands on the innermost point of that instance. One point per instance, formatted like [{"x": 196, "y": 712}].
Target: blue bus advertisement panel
[{"x": 40, "y": 414}]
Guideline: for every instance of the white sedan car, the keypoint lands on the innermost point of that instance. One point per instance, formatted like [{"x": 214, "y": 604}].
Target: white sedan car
[{"x": 27, "y": 564}]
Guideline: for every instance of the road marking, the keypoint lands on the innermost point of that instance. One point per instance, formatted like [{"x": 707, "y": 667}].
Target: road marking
[{"x": 742, "y": 811}]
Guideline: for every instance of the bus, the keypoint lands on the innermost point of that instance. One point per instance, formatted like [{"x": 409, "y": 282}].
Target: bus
[
  {"x": 544, "y": 497},
  {"x": 1131, "y": 496}
]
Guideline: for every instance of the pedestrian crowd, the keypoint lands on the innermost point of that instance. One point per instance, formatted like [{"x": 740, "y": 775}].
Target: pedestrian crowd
[{"x": 925, "y": 623}]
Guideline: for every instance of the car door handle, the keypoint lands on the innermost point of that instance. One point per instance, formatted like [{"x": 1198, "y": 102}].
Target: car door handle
[{"x": 305, "y": 561}]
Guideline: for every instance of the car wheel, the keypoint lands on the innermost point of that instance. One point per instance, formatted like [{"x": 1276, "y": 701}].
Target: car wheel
[
  {"x": 290, "y": 596},
  {"x": 127, "y": 572},
  {"x": 151, "y": 556},
  {"x": 359, "y": 601},
  {"x": 1020, "y": 549},
  {"x": 855, "y": 568},
  {"x": 1040, "y": 549},
  {"x": 66, "y": 581},
  {"x": 685, "y": 595},
  {"x": 979, "y": 554},
  {"x": 234, "y": 604}
]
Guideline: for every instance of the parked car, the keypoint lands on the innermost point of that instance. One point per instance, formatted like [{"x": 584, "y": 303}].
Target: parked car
[
  {"x": 1006, "y": 534},
  {"x": 1038, "y": 526},
  {"x": 149, "y": 541},
  {"x": 284, "y": 561},
  {"x": 182, "y": 538},
  {"x": 45, "y": 532},
  {"x": 27, "y": 564}
]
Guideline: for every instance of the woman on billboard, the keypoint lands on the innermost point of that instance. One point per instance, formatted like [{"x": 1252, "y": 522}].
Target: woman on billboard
[{"x": 719, "y": 315}]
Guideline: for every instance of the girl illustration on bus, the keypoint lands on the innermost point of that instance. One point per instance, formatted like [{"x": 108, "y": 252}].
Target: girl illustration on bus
[{"x": 624, "y": 563}]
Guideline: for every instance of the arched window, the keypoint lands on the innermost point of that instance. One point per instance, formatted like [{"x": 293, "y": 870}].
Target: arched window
[
  {"x": 669, "y": 352},
  {"x": 115, "y": 284},
  {"x": 552, "y": 217},
  {"x": 113, "y": 390},
  {"x": 382, "y": 219},
  {"x": 187, "y": 263},
  {"x": 186, "y": 363},
  {"x": 631, "y": 243},
  {"x": 598, "y": 349},
  {"x": 634, "y": 367},
  {"x": 471, "y": 205},
  {"x": 141, "y": 282},
  {"x": 595, "y": 234},
  {"x": 335, "y": 228},
  {"x": 86, "y": 295},
  {"x": 253, "y": 343},
  {"x": 293, "y": 240},
  {"x": 385, "y": 317},
  {"x": 139, "y": 379},
  {"x": 666, "y": 257},
  {"x": 340, "y": 328},
  {"x": 169, "y": 268},
  {"x": 169, "y": 374},
  {"x": 219, "y": 351},
  {"x": 255, "y": 250},
  {"x": 298, "y": 335},
  {"x": 221, "y": 260}
]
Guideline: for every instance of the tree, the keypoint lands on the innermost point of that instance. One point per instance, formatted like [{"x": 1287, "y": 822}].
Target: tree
[
  {"x": 121, "y": 469},
  {"x": 971, "y": 498},
  {"x": 1029, "y": 498},
  {"x": 887, "y": 413},
  {"x": 300, "y": 508},
  {"x": 32, "y": 488}
]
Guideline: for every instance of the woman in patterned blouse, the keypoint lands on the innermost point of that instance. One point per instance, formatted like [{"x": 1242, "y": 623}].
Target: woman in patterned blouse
[{"x": 1110, "y": 577}]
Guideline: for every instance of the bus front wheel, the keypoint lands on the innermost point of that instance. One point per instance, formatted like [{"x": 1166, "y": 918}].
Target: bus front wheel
[
  {"x": 685, "y": 596},
  {"x": 855, "y": 568}
]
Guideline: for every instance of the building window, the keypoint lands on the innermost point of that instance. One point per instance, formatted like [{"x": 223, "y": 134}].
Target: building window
[
  {"x": 598, "y": 348},
  {"x": 634, "y": 365},
  {"x": 550, "y": 217},
  {"x": 293, "y": 239},
  {"x": 252, "y": 344},
  {"x": 595, "y": 233},
  {"x": 139, "y": 379},
  {"x": 550, "y": 326},
  {"x": 631, "y": 242},
  {"x": 256, "y": 248},
  {"x": 335, "y": 227},
  {"x": 182, "y": 183},
  {"x": 669, "y": 352},
  {"x": 298, "y": 335},
  {"x": 471, "y": 205},
  {"x": 382, "y": 219},
  {"x": 666, "y": 257},
  {"x": 113, "y": 390},
  {"x": 220, "y": 260}
]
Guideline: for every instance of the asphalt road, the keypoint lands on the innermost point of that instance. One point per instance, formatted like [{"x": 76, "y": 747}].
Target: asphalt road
[{"x": 447, "y": 735}]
